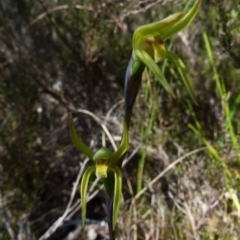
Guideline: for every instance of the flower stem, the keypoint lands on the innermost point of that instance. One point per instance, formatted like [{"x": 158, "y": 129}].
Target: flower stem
[{"x": 109, "y": 209}]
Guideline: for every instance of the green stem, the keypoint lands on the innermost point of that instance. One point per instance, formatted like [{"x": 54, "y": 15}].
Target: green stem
[{"x": 141, "y": 163}]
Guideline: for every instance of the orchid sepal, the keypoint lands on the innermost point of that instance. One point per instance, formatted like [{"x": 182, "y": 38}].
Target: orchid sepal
[
  {"x": 153, "y": 67},
  {"x": 133, "y": 78},
  {"x": 83, "y": 190},
  {"x": 184, "y": 22},
  {"x": 77, "y": 141},
  {"x": 124, "y": 145},
  {"x": 102, "y": 153},
  {"x": 156, "y": 27},
  {"x": 117, "y": 194},
  {"x": 181, "y": 67}
]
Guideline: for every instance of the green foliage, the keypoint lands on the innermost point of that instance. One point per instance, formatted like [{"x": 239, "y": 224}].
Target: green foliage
[{"x": 70, "y": 57}]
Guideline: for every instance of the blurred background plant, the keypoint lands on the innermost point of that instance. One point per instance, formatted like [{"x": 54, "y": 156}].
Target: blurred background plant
[{"x": 60, "y": 55}]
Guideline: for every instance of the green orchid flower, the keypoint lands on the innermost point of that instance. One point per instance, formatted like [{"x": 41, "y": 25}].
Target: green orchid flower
[
  {"x": 105, "y": 167},
  {"x": 149, "y": 46}
]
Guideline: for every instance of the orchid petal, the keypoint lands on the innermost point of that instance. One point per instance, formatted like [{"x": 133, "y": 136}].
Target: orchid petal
[
  {"x": 153, "y": 67},
  {"x": 77, "y": 141},
  {"x": 159, "y": 50},
  {"x": 101, "y": 169},
  {"x": 102, "y": 158},
  {"x": 83, "y": 190},
  {"x": 182, "y": 71},
  {"x": 117, "y": 194}
]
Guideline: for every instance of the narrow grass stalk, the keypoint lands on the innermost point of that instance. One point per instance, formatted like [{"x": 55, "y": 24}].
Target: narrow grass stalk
[
  {"x": 141, "y": 163},
  {"x": 229, "y": 127},
  {"x": 151, "y": 101},
  {"x": 222, "y": 92}
]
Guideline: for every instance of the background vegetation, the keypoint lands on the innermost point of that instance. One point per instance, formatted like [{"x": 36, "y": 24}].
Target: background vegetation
[{"x": 63, "y": 55}]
